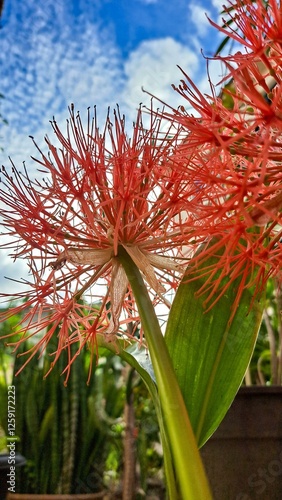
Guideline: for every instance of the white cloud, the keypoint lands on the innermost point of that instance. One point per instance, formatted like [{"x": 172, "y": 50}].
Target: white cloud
[
  {"x": 153, "y": 65},
  {"x": 11, "y": 275},
  {"x": 218, "y": 4},
  {"x": 198, "y": 16},
  {"x": 51, "y": 68}
]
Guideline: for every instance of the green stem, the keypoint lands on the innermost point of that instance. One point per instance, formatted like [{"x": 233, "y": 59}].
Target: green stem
[
  {"x": 121, "y": 349},
  {"x": 190, "y": 473}
]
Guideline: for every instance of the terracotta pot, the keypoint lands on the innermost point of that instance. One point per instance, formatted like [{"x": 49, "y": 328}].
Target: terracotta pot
[{"x": 243, "y": 458}]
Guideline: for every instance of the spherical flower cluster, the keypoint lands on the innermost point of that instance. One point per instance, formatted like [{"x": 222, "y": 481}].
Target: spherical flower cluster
[
  {"x": 234, "y": 141},
  {"x": 101, "y": 191}
]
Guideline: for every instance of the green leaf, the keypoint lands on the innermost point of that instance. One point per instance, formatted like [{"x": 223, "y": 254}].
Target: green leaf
[
  {"x": 221, "y": 46},
  {"x": 210, "y": 354}
]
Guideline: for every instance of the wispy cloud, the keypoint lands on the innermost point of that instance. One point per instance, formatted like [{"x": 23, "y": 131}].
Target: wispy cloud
[
  {"x": 153, "y": 65},
  {"x": 197, "y": 14},
  {"x": 49, "y": 65},
  {"x": 218, "y": 4}
]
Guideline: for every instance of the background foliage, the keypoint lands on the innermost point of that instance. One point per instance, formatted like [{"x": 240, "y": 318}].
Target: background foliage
[{"x": 73, "y": 436}]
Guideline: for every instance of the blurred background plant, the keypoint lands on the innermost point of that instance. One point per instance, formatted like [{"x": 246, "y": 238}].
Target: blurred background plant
[
  {"x": 81, "y": 438},
  {"x": 266, "y": 363}
]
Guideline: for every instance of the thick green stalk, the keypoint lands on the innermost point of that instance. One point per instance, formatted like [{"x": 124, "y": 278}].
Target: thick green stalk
[
  {"x": 172, "y": 490},
  {"x": 190, "y": 473}
]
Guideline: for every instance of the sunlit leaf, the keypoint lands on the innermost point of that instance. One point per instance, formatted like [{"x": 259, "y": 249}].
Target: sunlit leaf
[{"x": 210, "y": 354}]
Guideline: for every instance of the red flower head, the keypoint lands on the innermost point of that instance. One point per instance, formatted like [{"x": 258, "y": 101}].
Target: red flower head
[
  {"x": 236, "y": 153},
  {"x": 102, "y": 191}
]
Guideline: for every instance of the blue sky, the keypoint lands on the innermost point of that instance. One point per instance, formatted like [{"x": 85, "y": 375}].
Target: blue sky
[
  {"x": 55, "y": 52},
  {"x": 86, "y": 52}
]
